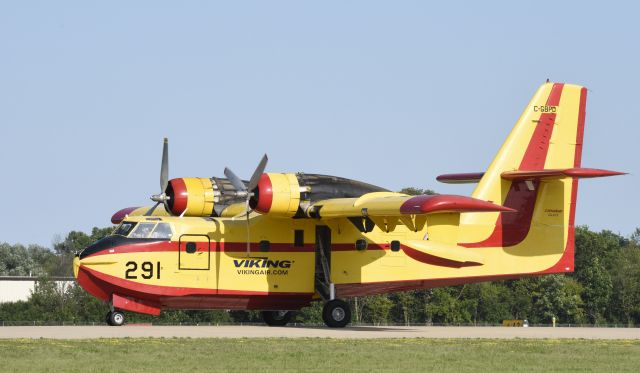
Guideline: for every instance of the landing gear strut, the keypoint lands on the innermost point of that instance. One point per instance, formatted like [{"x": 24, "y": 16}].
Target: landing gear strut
[
  {"x": 336, "y": 313},
  {"x": 115, "y": 318},
  {"x": 277, "y": 318}
]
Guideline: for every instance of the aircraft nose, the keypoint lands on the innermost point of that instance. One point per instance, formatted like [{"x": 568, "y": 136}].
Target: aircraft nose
[{"x": 100, "y": 246}]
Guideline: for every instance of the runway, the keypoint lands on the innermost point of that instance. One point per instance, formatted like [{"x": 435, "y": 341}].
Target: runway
[{"x": 137, "y": 331}]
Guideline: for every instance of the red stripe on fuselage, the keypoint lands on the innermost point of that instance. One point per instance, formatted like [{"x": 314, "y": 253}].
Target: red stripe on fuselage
[
  {"x": 150, "y": 292},
  {"x": 142, "y": 247},
  {"x": 103, "y": 286},
  {"x": 434, "y": 260},
  {"x": 164, "y": 246},
  {"x": 512, "y": 228}
]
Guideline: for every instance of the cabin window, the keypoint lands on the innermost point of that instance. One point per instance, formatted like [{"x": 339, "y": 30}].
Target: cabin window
[
  {"x": 298, "y": 238},
  {"x": 124, "y": 228},
  {"x": 142, "y": 230},
  {"x": 264, "y": 245},
  {"x": 163, "y": 230},
  {"x": 395, "y": 246},
  {"x": 361, "y": 244},
  {"x": 191, "y": 247}
]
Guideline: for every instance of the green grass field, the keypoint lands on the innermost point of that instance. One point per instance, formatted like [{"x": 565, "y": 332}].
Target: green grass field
[{"x": 256, "y": 354}]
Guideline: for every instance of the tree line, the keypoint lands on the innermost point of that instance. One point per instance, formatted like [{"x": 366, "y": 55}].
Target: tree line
[{"x": 604, "y": 289}]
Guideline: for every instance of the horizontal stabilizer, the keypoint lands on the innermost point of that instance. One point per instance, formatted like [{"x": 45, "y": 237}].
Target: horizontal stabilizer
[
  {"x": 441, "y": 254},
  {"x": 559, "y": 173},
  {"x": 583, "y": 173},
  {"x": 466, "y": 178}
]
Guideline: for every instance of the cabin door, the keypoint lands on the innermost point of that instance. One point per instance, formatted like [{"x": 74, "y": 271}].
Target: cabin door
[
  {"x": 323, "y": 261},
  {"x": 194, "y": 253}
]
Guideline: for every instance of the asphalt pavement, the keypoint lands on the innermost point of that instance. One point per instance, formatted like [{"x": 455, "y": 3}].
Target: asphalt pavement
[{"x": 148, "y": 331}]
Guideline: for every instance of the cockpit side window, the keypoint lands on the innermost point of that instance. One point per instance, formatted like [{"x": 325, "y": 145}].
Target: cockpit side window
[
  {"x": 142, "y": 230},
  {"x": 124, "y": 228},
  {"x": 163, "y": 230}
]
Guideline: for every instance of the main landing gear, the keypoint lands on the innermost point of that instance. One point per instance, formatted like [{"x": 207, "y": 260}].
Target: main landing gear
[
  {"x": 115, "y": 318},
  {"x": 336, "y": 313},
  {"x": 277, "y": 318}
]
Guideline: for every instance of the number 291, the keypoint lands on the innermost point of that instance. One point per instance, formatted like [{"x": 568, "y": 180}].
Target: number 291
[{"x": 147, "y": 270}]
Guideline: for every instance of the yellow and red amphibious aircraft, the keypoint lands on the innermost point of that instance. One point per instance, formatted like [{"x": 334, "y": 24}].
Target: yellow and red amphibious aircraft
[{"x": 283, "y": 240}]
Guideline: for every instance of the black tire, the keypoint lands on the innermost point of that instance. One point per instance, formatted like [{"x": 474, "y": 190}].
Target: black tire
[
  {"x": 107, "y": 318},
  {"x": 336, "y": 313},
  {"x": 277, "y": 318},
  {"x": 116, "y": 318}
]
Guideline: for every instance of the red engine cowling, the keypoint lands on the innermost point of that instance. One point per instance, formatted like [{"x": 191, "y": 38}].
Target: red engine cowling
[
  {"x": 277, "y": 194},
  {"x": 195, "y": 195}
]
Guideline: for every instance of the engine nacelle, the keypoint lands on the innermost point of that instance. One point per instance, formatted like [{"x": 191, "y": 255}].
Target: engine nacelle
[
  {"x": 196, "y": 195},
  {"x": 277, "y": 194}
]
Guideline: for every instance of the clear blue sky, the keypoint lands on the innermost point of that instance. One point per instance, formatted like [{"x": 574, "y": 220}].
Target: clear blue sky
[{"x": 392, "y": 93}]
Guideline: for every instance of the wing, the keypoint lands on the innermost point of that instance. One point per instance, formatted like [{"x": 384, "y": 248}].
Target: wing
[
  {"x": 398, "y": 204},
  {"x": 386, "y": 209}
]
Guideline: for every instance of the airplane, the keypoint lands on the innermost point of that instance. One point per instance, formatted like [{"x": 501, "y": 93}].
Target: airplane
[{"x": 280, "y": 241}]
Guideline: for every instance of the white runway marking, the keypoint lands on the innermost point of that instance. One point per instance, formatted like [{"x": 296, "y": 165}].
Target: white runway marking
[{"x": 134, "y": 331}]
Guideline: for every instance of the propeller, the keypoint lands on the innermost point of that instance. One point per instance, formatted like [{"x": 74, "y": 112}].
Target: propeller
[
  {"x": 164, "y": 180},
  {"x": 247, "y": 191}
]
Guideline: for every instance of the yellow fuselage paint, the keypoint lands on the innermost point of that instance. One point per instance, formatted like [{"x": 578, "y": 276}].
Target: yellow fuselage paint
[{"x": 226, "y": 266}]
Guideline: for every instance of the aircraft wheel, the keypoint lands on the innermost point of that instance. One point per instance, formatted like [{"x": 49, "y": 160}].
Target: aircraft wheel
[
  {"x": 116, "y": 318},
  {"x": 336, "y": 313},
  {"x": 277, "y": 318},
  {"x": 107, "y": 318}
]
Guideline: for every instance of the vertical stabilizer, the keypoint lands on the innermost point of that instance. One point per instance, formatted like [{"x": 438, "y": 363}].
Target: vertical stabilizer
[{"x": 547, "y": 136}]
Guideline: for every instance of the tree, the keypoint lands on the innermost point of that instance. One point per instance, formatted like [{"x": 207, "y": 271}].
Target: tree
[
  {"x": 594, "y": 253},
  {"x": 447, "y": 306},
  {"x": 376, "y": 309},
  {"x": 18, "y": 260},
  {"x": 558, "y": 296},
  {"x": 492, "y": 303},
  {"x": 404, "y": 307},
  {"x": 74, "y": 242},
  {"x": 626, "y": 285}
]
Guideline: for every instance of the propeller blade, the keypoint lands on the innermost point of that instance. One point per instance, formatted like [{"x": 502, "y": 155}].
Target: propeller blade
[
  {"x": 235, "y": 180},
  {"x": 255, "y": 178},
  {"x": 151, "y": 210},
  {"x": 248, "y": 228},
  {"x": 164, "y": 168}
]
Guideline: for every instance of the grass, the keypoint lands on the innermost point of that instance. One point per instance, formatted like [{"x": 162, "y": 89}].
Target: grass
[{"x": 317, "y": 354}]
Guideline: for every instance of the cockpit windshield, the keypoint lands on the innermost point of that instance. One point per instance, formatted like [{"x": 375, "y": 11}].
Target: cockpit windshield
[
  {"x": 144, "y": 230},
  {"x": 125, "y": 228},
  {"x": 163, "y": 230}
]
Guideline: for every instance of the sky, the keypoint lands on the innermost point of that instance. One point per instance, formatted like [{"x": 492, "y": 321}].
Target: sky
[{"x": 391, "y": 93}]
